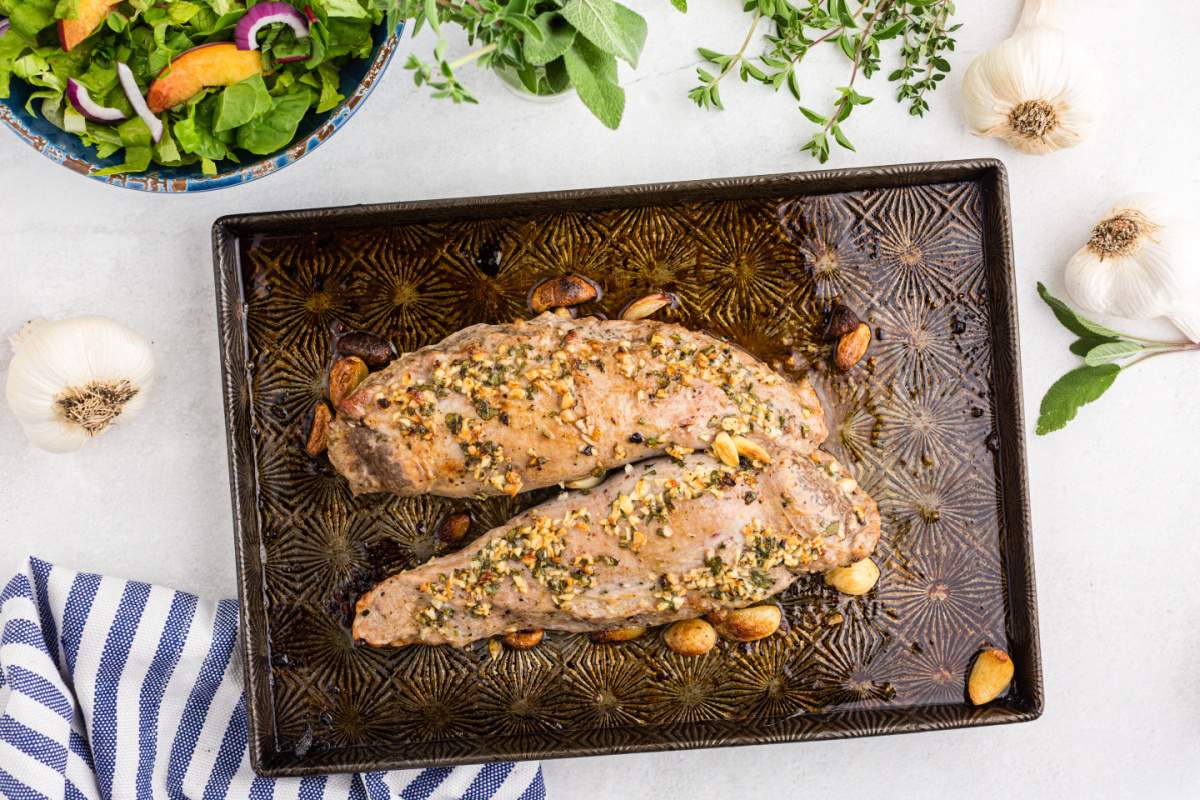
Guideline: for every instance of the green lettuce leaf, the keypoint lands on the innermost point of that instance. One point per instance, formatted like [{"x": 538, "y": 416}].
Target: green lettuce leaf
[
  {"x": 275, "y": 130},
  {"x": 241, "y": 103}
]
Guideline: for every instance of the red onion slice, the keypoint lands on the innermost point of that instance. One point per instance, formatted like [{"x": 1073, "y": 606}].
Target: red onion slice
[
  {"x": 263, "y": 14},
  {"x": 129, "y": 84},
  {"x": 78, "y": 95},
  {"x": 3, "y": 25}
]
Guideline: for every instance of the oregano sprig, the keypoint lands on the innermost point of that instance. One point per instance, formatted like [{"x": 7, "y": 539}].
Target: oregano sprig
[
  {"x": 1102, "y": 348},
  {"x": 799, "y": 27}
]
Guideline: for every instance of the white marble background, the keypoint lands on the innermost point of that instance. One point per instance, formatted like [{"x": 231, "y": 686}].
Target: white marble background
[{"x": 1115, "y": 495}]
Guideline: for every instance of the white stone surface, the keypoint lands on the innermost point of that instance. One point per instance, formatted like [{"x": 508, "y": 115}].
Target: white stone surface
[{"x": 1115, "y": 495}]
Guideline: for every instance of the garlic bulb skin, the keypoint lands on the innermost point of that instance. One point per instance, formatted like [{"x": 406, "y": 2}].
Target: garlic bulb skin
[
  {"x": 1141, "y": 261},
  {"x": 1038, "y": 90},
  {"x": 71, "y": 379}
]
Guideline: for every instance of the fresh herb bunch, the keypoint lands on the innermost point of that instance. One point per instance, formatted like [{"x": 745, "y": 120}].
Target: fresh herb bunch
[
  {"x": 546, "y": 45},
  {"x": 922, "y": 27},
  {"x": 1101, "y": 348},
  {"x": 258, "y": 115}
]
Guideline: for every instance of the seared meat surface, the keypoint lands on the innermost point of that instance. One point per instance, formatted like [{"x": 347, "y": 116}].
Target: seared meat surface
[
  {"x": 499, "y": 409},
  {"x": 664, "y": 540}
]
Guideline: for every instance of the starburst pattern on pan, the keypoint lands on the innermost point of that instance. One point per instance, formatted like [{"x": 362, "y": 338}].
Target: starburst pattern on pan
[
  {"x": 690, "y": 688},
  {"x": 329, "y": 649},
  {"x": 645, "y": 224},
  {"x": 288, "y": 387},
  {"x": 468, "y": 238},
  {"x": 853, "y": 428},
  {"x": 409, "y": 298},
  {"x": 489, "y": 298},
  {"x": 304, "y": 291},
  {"x": 548, "y": 257},
  {"x": 876, "y": 209},
  {"x": 427, "y": 663},
  {"x": 655, "y": 264},
  {"x": 435, "y": 705},
  {"x": 411, "y": 524},
  {"x": 836, "y": 255},
  {"x": 924, "y": 425},
  {"x": 357, "y": 717},
  {"x": 738, "y": 276},
  {"x": 852, "y": 666},
  {"x": 326, "y": 549},
  {"x": 407, "y": 239},
  {"x": 286, "y": 472},
  {"x": 771, "y": 677},
  {"x": 521, "y": 693},
  {"x": 934, "y": 669},
  {"x": 914, "y": 256},
  {"x": 605, "y": 688},
  {"x": 295, "y": 706},
  {"x": 914, "y": 343},
  {"x": 944, "y": 595},
  {"x": 928, "y": 506}
]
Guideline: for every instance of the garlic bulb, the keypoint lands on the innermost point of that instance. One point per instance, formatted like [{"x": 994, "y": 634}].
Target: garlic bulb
[
  {"x": 1037, "y": 90},
  {"x": 1142, "y": 261},
  {"x": 71, "y": 379}
]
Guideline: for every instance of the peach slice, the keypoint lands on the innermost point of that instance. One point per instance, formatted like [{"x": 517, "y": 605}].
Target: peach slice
[
  {"x": 91, "y": 13},
  {"x": 217, "y": 64}
]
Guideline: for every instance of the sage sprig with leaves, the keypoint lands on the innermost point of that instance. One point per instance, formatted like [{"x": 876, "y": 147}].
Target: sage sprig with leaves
[
  {"x": 922, "y": 27},
  {"x": 547, "y": 46},
  {"x": 1102, "y": 349}
]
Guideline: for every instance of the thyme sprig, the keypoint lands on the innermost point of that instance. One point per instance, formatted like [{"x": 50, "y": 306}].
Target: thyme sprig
[{"x": 799, "y": 28}]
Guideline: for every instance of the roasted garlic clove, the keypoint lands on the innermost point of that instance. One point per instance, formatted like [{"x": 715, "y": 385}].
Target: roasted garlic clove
[
  {"x": 623, "y": 634},
  {"x": 562, "y": 291},
  {"x": 524, "y": 640},
  {"x": 747, "y": 624},
  {"x": 725, "y": 449},
  {"x": 691, "y": 637},
  {"x": 748, "y": 448},
  {"x": 344, "y": 377},
  {"x": 318, "y": 432},
  {"x": 855, "y": 579},
  {"x": 990, "y": 676},
  {"x": 852, "y": 346},
  {"x": 649, "y": 305},
  {"x": 588, "y": 482}
]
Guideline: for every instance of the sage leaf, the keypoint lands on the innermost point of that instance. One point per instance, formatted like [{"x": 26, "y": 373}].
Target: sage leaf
[
  {"x": 526, "y": 26},
  {"x": 1111, "y": 351},
  {"x": 609, "y": 26},
  {"x": 1077, "y": 388},
  {"x": 1076, "y": 324},
  {"x": 594, "y": 74},
  {"x": 557, "y": 37},
  {"x": 1080, "y": 347}
]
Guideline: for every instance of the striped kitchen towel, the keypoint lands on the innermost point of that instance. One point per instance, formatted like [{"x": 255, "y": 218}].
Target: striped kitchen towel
[{"x": 121, "y": 689}]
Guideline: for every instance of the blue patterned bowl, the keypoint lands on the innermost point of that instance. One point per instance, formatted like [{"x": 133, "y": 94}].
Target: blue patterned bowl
[{"x": 358, "y": 78}]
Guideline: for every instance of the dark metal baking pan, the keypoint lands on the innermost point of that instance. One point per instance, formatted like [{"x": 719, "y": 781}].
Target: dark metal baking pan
[{"x": 930, "y": 423}]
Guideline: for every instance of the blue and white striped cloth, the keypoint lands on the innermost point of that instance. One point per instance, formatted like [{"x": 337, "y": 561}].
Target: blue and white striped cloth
[{"x": 120, "y": 689}]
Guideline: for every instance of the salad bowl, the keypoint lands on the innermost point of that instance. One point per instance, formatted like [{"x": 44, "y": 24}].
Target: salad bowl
[{"x": 357, "y": 79}]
